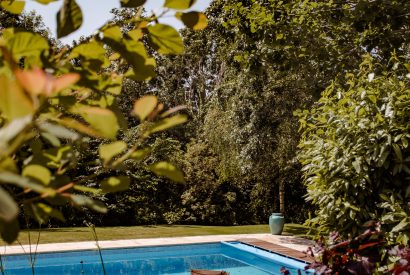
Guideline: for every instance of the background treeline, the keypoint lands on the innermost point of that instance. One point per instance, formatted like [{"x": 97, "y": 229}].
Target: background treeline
[{"x": 242, "y": 79}]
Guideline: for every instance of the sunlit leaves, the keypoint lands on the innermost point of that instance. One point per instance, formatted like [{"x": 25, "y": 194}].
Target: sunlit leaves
[
  {"x": 45, "y": 2},
  {"x": 132, "y": 3},
  {"x": 179, "y": 4},
  {"x": 15, "y": 6},
  {"x": 108, "y": 151},
  {"x": 92, "y": 55},
  {"x": 12, "y": 129},
  {"x": 165, "y": 39},
  {"x": 132, "y": 51},
  {"x": 145, "y": 106},
  {"x": 102, "y": 120},
  {"x": 14, "y": 103},
  {"x": 167, "y": 170},
  {"x": 53, "y": 100},
  {"x": 38, "y": 173},
  {"x": 115, "y": 184},
  {"x": 193, "y": 20},
  {"x": 26, "y": 44},
  {"x": 8, "y": 164},
  {"x": 84, "y": 201},
  {"x": 140, "y": 154},
  {"x": 41, "y": 212},
  {"x": 167, "y": 123},
  {"x": 69, "y": 18},
  {"x": 25, "y": 183}
]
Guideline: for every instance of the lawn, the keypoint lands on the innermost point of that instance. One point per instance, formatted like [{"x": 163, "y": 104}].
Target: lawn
[{"x": 76, "y": 234}]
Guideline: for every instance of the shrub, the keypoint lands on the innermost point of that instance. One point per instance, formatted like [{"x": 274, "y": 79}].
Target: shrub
[{"x": 355, "y": 154}]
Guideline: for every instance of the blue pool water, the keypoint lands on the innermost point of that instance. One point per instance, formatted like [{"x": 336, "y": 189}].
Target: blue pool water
[{"x": 233, "y": 257}]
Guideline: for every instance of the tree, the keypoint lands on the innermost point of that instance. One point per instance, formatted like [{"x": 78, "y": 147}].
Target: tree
[
  {"x": 54, "y": 100},
  {"x": 288, "y": 52}
]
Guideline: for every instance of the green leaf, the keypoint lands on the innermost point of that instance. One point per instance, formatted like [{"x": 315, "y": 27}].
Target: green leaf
[
  {"x": 93, "y": 54},
  {"x": 179, "y": 4},
  {"x": 91, "y": 50},
  {"x": 13, "y": 104},
  {"x": 141, "y": 154},
  {"x": 113, "y": 34},
  {"x": 51, "y": 139},
  {"x": 69, "y": 18},
  {"x": 108, "y": 151},
  {"x": 37, "y": 172},
  {"x": 193, "y": 20},
  {"x": 133, "y": 52},
  {"x": 9, "y": 230},
  {"x": 8, "y": 208},
  {"x": 59, "y": 131},
  {"x": 102, "y": 120},
  {"x": 145, "y": 106},
  {"x": 8, "y": 164},
  {"x": 11, "y": 130},
  {"x": 165, "y": 39},
  {"x": 357, "y": 166},
  {"x": 132, "y": 3},
  {"x": 43, "y": 211},
  {"x": 15, "y": 7},
  {"x": 87, "y": 189},
  {"x": 401, "y": 226},
  {"x": 167, "y": 123},
  {"x": 115, "y": 184},
  {"x": 80, "y": 200},
  {"x": 27, "y": 44},
  {"x": 45, "y": 2},
  {"x": 25, "y": 183},
  {"x": 397, "y": 151},
  {"x": 167, "y": 170}
]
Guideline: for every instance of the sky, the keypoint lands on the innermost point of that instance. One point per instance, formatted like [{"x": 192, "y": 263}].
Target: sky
[{"x": 97, "y": 12}]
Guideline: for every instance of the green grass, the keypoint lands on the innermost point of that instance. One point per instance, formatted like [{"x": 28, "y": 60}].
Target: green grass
[{"x": 78, "y": 234}]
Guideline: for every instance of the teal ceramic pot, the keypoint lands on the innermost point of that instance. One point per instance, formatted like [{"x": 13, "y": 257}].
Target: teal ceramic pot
[{"x": 276, "y": 223}]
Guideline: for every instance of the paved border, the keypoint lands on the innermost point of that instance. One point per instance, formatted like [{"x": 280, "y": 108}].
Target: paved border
[{"x": 292, "y": 242}]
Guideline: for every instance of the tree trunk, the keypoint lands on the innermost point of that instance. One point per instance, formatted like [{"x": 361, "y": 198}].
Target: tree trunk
[{"x": 282, "y": 197}]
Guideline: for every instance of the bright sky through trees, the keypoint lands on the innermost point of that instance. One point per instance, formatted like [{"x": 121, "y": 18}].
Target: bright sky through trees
[{"x": 98, "y": 12}]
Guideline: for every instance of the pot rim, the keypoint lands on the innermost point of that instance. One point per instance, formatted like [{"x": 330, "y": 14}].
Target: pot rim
[{"x": 277, "y": 214}]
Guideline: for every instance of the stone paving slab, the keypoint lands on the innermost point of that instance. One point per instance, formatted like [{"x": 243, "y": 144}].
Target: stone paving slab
[{"x": 292, "y": 242}]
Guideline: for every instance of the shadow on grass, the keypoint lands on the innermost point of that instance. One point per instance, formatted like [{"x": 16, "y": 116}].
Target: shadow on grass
[{"x": 300, "y": 230}]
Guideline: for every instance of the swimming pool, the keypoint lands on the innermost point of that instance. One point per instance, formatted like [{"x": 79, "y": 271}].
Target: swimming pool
[{"x": 233, "y": 257}]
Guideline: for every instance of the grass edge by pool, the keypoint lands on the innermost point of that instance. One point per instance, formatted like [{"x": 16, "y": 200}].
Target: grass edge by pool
[{"x": 80, "y": 234}]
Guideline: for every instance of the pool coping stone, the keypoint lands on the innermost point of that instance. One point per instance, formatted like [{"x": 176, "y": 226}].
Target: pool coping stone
[{"x": 292, "y": 242}]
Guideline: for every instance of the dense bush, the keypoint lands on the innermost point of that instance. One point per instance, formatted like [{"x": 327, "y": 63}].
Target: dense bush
[{"x": 355, "y": 151}]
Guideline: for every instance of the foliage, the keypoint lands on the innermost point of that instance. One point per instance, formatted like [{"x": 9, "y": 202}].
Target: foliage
[
  {"x": 366, "y": 253},
  {"x": 54, "y": 101},
  {"x": 401, "y": 255},
  {"x": 355, "y": 152},
  {"x": 360, "y": 255}
]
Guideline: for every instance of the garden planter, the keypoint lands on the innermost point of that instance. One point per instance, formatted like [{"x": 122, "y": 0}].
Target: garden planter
[{"x": 276, "y": 223}]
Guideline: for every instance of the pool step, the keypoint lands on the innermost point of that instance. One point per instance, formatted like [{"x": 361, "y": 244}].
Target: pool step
[{"x": 284, "y": 251}]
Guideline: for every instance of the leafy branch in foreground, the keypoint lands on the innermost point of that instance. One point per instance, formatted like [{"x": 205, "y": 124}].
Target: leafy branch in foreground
[{"x": 53, "y": 102}]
